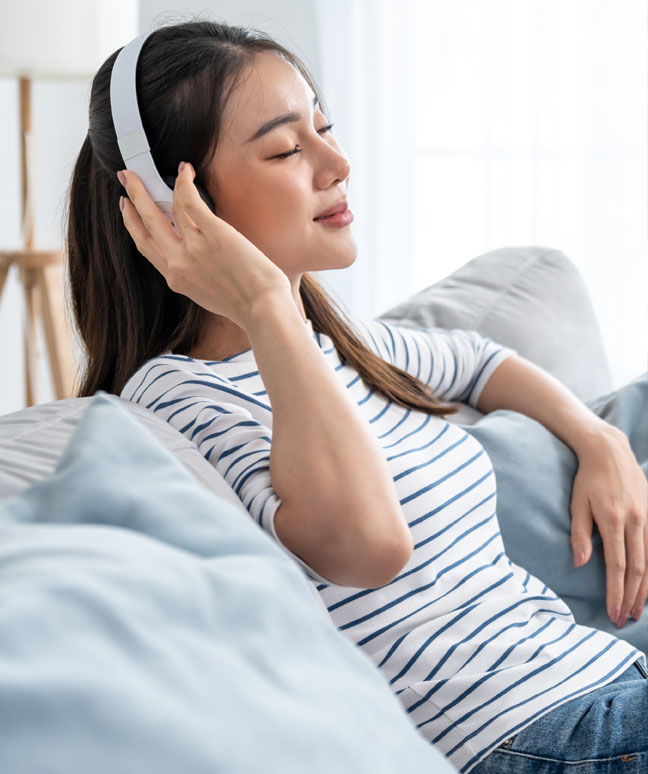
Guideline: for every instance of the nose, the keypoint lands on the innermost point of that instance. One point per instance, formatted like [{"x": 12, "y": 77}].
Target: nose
[
  {"x": 344, "y": 166},
  {"x": 334, "y": 164}
]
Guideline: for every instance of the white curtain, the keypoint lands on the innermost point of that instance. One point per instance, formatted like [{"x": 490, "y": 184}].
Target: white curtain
[
  {"x": 367, "y": 61},
  {"x": 477, "y": 124}
]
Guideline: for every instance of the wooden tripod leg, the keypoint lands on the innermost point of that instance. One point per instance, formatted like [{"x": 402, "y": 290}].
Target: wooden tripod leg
[
  {"x": 30, "y": 291},
  {"x": 4, "y": 271},
  {"x": 55, "y": 327}
]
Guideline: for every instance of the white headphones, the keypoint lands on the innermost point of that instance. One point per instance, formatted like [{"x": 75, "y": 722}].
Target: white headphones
[{"x": 132, "y": 141}]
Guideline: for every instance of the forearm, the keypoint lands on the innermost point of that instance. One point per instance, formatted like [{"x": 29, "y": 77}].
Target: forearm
[
  {"x": 325, "y": 462},
  {"x": 519, "y": 385}
]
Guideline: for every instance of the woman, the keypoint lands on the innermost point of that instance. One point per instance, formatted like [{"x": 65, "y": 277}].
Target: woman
[{"x": 219, "y": 328}]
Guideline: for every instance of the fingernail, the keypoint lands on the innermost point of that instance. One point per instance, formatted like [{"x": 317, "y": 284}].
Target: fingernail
[
  {"x": 614, "y": 615},
  {"x": 636, "y": 613},
  {"x": 579, "y": 558},
  {"x": 181, "y": 166},
  {"x": 121, "y": 203},
  {"x": 122, "y": 178},
  {"x": 622, "y": 622}
]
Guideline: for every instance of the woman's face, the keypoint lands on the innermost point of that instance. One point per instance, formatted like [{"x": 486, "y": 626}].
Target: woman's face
[{"x": 272, "y": 201}]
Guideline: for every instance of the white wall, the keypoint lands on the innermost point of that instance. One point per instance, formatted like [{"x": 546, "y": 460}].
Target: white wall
[
  {"x": 60, "y": 123},
  {"x": 291, "y": 22}
]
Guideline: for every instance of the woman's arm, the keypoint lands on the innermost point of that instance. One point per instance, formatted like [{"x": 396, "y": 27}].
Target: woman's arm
[
  {"x": 340, "y": 510},
  {"x": 519, "y": 385},
  {"x": 609, "y": 488}
]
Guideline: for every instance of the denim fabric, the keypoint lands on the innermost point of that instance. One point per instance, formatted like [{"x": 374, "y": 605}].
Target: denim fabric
[{"x": 603, "y": 732}]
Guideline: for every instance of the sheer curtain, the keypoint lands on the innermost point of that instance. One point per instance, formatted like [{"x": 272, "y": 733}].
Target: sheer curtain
[
  {"x": 367, "y": 64},
  {"x": 477, "y": 124}
]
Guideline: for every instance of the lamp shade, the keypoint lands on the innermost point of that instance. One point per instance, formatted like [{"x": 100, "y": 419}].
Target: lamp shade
[{"x": 62, "y": 39}]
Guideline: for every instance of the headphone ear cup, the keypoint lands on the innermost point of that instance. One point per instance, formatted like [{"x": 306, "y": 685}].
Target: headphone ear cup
[{"x": 170, "y": 180}]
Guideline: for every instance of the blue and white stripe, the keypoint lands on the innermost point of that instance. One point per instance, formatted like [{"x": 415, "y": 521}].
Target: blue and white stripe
[{"x": 475, "y": 647}]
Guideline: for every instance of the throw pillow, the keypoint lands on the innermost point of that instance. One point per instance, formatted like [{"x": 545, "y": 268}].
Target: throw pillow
[{"x": 147, "y": 626}]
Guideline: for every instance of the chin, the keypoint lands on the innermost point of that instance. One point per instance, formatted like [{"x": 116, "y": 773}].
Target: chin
[
  {"x": 320, "y": 258},
  {"x": 352, "y": 251},
  {"x": 352, "y": 257},
  {"x": 347, "y": 251},
  {"x": 340, "y": 258}
]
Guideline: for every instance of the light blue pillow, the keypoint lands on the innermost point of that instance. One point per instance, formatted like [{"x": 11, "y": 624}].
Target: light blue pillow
[
  {"x": 535, "y": 472},
  {"x": 145, "y": 626}
]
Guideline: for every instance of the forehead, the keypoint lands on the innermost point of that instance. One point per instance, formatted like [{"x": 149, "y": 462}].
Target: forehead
[{"x": 269, "y": 87}]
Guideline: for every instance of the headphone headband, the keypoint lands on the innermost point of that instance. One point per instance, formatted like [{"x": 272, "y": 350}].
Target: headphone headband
[{"x": 133, "y": 143}]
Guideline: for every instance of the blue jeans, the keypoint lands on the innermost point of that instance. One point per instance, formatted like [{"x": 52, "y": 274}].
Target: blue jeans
[{"x": 603, "y": 732}]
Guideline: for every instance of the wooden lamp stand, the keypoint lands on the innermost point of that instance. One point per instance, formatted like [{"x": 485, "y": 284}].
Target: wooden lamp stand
[{"x": 40, "y": 276}]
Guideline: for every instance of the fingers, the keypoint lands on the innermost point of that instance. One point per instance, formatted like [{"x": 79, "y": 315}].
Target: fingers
[
  {"x": 151, "y": 228},
  {"x": 615, "y": 568},
  {"x": 143, "y": 240},
  {"x": 642, "y": 594},
  {"x": 188, "y": 207},
  {"x": 582, "y": 525},
  {"x": 635, "y": 565},
  {"x": 184, "y": 223}
]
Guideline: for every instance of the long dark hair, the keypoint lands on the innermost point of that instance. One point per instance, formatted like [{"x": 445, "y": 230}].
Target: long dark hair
[{"x": 123, "y": 308}]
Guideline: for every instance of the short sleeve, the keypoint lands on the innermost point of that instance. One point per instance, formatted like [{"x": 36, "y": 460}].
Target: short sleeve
[
  {"x": 218, "y": 418},
  {"x": 455, "y": 363}
]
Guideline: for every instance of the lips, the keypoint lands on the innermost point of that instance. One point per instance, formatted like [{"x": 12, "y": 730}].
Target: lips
[{"x": 339, "y": 207}]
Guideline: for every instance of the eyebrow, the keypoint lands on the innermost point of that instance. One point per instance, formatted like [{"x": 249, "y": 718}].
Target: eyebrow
[{"x": 279, "y": 121}]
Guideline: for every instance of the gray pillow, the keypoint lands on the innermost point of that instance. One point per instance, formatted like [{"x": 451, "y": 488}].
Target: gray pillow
[
  {"x": 33, "y": 439},
  {"x": 532, "y": 299},
  {"x": 534, "y": 472}
]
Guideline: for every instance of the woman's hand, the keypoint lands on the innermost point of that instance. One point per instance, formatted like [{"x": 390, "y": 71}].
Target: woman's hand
[
  {"x": 610, "y": 489},
  {"x": 208, "y": 261}
]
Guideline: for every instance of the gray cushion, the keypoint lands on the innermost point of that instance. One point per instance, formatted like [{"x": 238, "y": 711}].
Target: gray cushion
[{"x": 532, "y": 299}]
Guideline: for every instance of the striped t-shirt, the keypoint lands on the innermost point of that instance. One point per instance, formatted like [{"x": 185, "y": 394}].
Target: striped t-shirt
[{"x": 474, "y": 646}]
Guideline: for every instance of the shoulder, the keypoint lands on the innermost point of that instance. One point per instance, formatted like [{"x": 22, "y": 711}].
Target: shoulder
[
  {"x": 395, "y": 342},
  {"x": 379, "y": 336},
  {"x": 161, "y": 373}
]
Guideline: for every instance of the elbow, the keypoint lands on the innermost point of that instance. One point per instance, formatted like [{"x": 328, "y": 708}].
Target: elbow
[
  {"x": 390, "y": 561},
  {"x": 354, "y": 556}
]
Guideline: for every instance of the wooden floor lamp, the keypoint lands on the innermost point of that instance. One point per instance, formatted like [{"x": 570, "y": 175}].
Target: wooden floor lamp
[
  {"x": 39, "y": 273},
  {"x": 65, "y": 40}
]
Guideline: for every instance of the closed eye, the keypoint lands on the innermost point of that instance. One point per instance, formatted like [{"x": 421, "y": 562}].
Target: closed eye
[{"x": 296, "y": 149}]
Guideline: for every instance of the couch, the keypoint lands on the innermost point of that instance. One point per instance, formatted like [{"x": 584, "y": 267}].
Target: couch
[{"x": 102, "y": 475}]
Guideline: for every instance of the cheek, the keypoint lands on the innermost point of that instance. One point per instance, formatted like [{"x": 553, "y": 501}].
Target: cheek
[
  {"x": 277, "y": 201},
  {"x": 281, "y": 227},
  {"x": 270, "y": 206}
]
